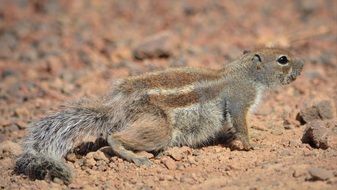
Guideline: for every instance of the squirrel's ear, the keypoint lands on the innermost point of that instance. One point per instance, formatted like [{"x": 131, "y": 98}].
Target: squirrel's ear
[
  {"x": 257, "y": 58},
  {"x": 246, "y": 51},
  {"x": 257, "y": 61}
]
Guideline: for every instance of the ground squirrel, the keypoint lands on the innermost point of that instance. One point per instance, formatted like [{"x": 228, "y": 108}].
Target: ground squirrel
[{"x": 174, "y": 107}]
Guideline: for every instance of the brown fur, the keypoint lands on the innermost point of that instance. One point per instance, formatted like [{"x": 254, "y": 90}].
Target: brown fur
[
  {"x": 169, "y": 79},
  {"x": 187, "y": 98},
  {"x": 175, "y": 100}
]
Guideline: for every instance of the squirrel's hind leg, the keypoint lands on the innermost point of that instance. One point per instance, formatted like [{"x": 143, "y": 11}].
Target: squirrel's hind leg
[
  {"x": 148, "y": 133},
  {"x": 121, "y": 151}
]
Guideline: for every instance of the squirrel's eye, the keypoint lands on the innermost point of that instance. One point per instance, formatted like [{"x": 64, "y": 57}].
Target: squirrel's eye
[{"x": 283, "y": 60}]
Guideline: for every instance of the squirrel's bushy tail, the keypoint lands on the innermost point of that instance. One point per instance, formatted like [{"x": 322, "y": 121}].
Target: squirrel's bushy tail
[
  {"x": 52, "y": 137},
  {"x": 38, "y": 166}
]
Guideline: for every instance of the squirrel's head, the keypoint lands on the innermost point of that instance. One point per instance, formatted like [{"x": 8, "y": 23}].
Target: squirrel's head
[{"x": 273, "y": 66}]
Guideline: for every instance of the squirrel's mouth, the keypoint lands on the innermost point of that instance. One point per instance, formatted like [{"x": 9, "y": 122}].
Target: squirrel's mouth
[{"x": 295, "y": 71}]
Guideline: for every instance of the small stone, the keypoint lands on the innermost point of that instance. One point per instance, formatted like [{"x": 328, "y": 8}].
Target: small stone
[
  {"x": 308, "y": 114},
  {"x": 260, "y": 128},
  {"x": 191, "y": 160},
  {"x": 300, "y": 171},
  {"x": 90, "y": 162},
  {"x": 120, "y": 53},
  {"x": 293, "y": 143},
  {"x": 2, "y": 137},
  {"x": 21, "y": 124},
  {"x": 285, "y": 152},
  {"x": 161, "y": 177},
  {"x": 326, "y": 110},
  {"x": 58, "y": 181},
  {"x": 28, "y": 56},
  {"x": 306, "y": 8},
  {"x": 169, "y": 177},
  {"x": 6, "y": 72},
  {"x": 320, "y": 174},
  {"x": 175, "y": 153},
  {"x": 169, "y": 163},
  {"x": 101, "y": 165},
  {"x": 316, "y": 135},
  {"x": 323, "y": 110},
  {"x": 71, "y": 157},
  {"x": 6, "y": 163},
  {"x": 196, "y": 153},
  {"x": 288, "y": 126},
  {"x": 5, "y": 122},
  {"x": 186, "y": 179},
  {"x": 90, "y": 155},
  {"x": 98, "y": 155},
  {"x": 277, "y": 131},
  {"x": 10, "y": 147},
  {"x": 156, "y": 46},
  {"x": 218, "y": 149},
  {"x": 21, "y": 112},
  {"x": 180, "y": 166}
]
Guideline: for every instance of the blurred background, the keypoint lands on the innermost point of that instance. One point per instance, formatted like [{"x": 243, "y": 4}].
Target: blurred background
[{"x": 54, "y": 51}]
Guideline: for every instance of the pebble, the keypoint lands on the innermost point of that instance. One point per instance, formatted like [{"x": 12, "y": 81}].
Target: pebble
[
  {"x": 158, "y": 45},
  {"x": 276, "y": 131},
  {"x": 316, "y": 135},
  {"x": 99, "y": 155},
  {"x": 288, "y": 126},
  {"x": 28, "y": 56},
  {"x": 89, "y": 160},
  {"x": 10, "y": 147},
  {"x": 71, "y": 157},
  {"x": 260, "y": 128},
  {"x": 5, "y": 122},
  {"x": 169, "y": 163},
  {"x": 58, "y": 181},
  {"x": 6, "y": 163},
  {"x": 326, "y": 110},
  {"x": 7, "y": 72},
  {"x": 191, "y": 160},
  {"x": 187, "y": 179},
  {"x": 175, "y": 153},
  {"x": 320, "y": 174},
  {"x": 300, "y": 171},
  {"x": 21, "y": 124},
  {"x": 323, "y": 110},
  {"x": 21, "y": 112}
]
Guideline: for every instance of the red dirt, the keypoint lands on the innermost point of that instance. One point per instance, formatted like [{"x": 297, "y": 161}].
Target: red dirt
[{"x": 52, "y": 52}]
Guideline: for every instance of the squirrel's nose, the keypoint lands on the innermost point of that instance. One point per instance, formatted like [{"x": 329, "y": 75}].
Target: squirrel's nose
[
  {"x": 298, "y": 65},
  {"x": 296, "y": 69}
]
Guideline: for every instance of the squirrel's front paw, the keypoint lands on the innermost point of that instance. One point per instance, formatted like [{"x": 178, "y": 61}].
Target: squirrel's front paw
[{"x": 238, "y": 144}]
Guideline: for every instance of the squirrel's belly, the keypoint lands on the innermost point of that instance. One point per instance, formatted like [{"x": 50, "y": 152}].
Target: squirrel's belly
[{"x": 196, "y": 124}]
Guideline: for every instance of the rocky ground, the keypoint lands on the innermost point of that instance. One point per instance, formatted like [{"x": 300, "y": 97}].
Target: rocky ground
[{"x": 52, "y": 52}]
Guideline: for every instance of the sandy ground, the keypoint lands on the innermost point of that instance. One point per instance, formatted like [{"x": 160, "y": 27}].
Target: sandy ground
[{"x": 52, "y": 52}]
